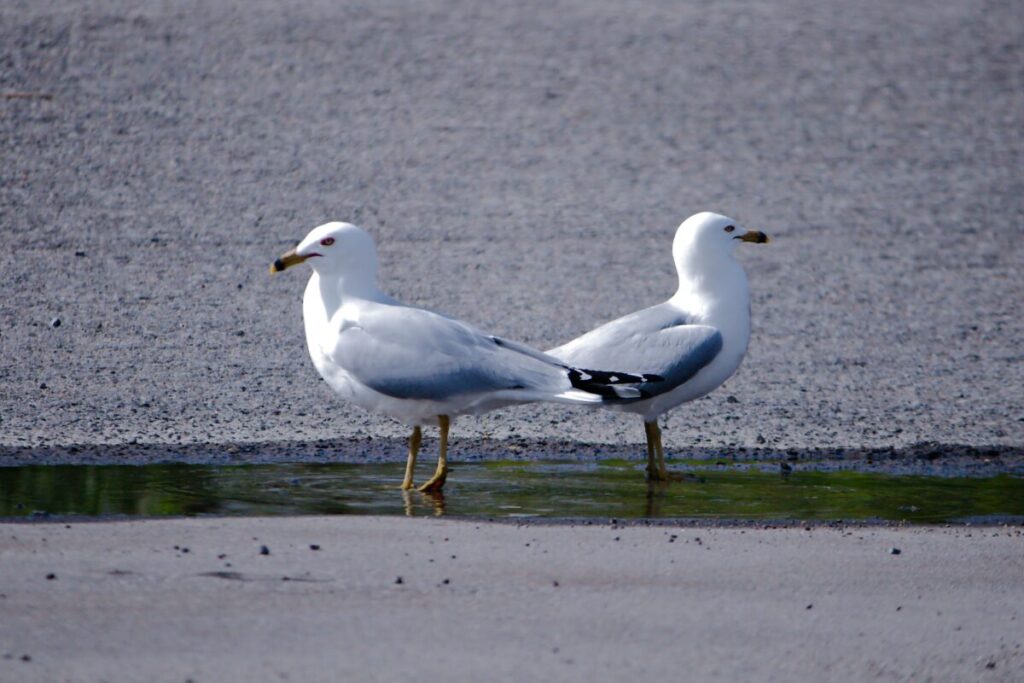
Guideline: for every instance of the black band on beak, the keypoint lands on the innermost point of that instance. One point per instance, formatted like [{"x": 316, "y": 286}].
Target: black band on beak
[
  {"x": 286, "y": 261},
  {"x": 755, "y": 236}
]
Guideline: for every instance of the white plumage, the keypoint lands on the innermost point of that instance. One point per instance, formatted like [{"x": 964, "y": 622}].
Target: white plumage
[
  {"x": 694, "y": 341},
  {"x": 418, "y": 366}
]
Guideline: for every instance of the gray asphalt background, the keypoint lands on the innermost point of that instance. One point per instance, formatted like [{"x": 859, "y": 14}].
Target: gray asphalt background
[{"x": 523, "y": 166}]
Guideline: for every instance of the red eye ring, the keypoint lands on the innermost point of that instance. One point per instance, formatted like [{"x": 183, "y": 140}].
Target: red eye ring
[{"x": 327, "y": 241}]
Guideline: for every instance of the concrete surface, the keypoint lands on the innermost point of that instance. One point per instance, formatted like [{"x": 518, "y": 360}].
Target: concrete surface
[
  {"x": 177, "y": 600},
  {"x": 523, "y": 166}
]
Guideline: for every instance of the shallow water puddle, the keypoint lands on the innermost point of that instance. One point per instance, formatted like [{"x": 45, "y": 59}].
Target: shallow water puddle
[{"x": 504, "y": 490}]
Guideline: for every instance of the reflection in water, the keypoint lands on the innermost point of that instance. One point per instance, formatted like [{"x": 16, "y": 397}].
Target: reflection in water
[
  {"x": 655, "y": 494},
  {"x": 496, "y": 489},
  {"x": 418, "y": 503}
]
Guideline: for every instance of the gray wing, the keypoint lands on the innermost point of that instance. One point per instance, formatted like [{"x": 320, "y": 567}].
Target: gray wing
[
  {"x": 658, "y": 341},
  {"x": 417, "y": 354}
]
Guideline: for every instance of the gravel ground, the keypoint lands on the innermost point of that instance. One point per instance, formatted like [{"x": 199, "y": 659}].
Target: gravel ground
[{"x": 523, "y": 166}]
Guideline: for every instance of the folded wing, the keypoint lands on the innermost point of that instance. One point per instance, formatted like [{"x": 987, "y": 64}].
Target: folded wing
[
  {"x": 418, "y": 354},
  {"x": 658, "y": 343}
]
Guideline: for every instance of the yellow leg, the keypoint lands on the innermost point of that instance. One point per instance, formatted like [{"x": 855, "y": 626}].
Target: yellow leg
[
  {"x": 656, "y": 469},
  {"x": 436, "y": 482},
  {"x": 649, "y": 431},
  {"x": 662, "y": 470},
  {"x": 410, "y": 464}
]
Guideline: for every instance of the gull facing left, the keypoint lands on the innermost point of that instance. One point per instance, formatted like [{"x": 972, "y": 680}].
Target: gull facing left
[{"x": 418, "y": 366}]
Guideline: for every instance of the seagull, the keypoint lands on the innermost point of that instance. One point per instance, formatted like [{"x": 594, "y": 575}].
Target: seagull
[
  {"x": 415, "y": 365},
  {"x": 693, "y": 342}
]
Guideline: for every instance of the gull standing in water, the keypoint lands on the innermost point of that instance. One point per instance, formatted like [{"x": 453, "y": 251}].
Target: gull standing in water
[
  {"x": 693, "y": 342},
  {"x": 415, "y": 365}
]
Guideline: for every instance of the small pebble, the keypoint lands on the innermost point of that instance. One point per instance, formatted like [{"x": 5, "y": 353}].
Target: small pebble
[
  {"x": 55, "y": 323},
  {"x": 314, "y": 546},
  {"x": 26, "y": 658},
  {"x": 809, "y": 606},
  {"x": 51, "y": 577},
  {"x": 399, "y": 580},
  {"x": 895, "y": 551},
  {"x": 264, "y": 550}
]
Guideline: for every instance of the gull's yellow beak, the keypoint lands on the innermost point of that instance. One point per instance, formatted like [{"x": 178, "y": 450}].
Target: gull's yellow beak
[
  {"x": 286, "y": 260},
  {"x": 755, "y": 236}
]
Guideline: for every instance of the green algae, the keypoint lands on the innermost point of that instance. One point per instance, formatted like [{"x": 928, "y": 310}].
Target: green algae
[{"x": 601, "y": 490}]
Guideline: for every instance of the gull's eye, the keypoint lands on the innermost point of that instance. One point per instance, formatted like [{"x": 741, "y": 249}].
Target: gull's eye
[
  {"x": 327, "y": 241},
  {"x": 730, "y": 228}
]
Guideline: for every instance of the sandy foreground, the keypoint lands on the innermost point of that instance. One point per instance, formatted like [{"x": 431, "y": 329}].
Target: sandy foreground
[{"x": 369, "y": 598}]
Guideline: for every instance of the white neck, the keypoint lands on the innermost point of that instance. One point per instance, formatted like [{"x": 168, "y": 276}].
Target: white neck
[
  {"x": 716, "y": 292},
  {"x": 337, "y": 291}
]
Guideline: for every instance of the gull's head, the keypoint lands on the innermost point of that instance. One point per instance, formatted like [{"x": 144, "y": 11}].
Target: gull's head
[
  {"x": 336, "y": 248},
  {"x": 706, "y": 236}
]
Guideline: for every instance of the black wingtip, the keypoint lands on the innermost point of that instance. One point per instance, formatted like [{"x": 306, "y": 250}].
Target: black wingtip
[
  {"x": 583, "y": 381},
  {"x": 611, "y": 385}
]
